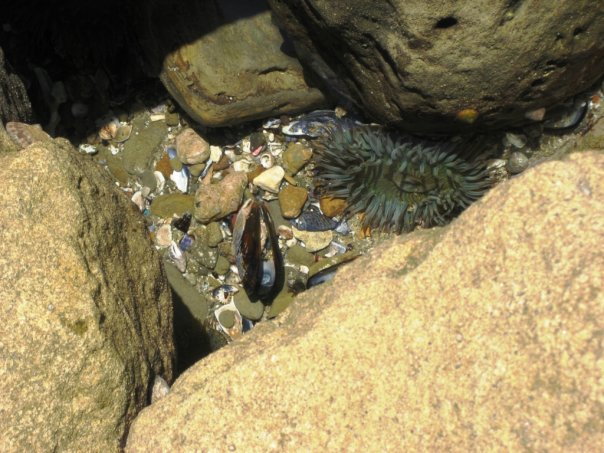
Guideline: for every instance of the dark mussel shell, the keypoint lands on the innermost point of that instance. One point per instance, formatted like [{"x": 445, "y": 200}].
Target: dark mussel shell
[{"x": 257, "y": 254}]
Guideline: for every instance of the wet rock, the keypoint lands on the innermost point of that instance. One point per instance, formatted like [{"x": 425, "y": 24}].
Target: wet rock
[
  {"x": 14, "y": 104},
  {"x": 214, "y": 234},
  {"x": 295, "y": 157},
  {"x": 300, "y": 255},
  {"x": 217, "y": 200},
  {"x": 291, "y": 200},
  {"x": 222, "y": 265},
  {"x": 314, "y": 240},
  {"x": 409, "y": 45},
  {"x": 143, "y": 144},
  {"x": 168, "y": 205},
  {"x": 281, "y": 302},
  {"x": 414, "y": 349},
  {"x": 517, "y": 163},
  {"x": 248, "y": 309},
  {"x": 76, "y": 270},
  {"x": 270, "y": 180},
  {"x": 191, "y": 148},
  {"x": 172, "y": 119},
  {"x": 332, "y": 207},
  {"x": 224, "y": 62},
  {"x": 163, "y": 236}
]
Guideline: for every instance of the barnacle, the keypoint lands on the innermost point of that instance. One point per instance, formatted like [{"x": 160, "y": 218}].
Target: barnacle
[{"x": 397, "y": 181}]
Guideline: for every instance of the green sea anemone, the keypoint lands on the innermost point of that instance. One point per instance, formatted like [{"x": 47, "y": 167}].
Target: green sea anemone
[{"x": 398, "y": 182}]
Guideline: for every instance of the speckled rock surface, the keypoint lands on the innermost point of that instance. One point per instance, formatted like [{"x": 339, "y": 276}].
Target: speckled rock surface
[
  {"x": 215, "y": 201},
  {"x": 224, "y": 62},
  {"x": 483, "y": 336},
  {"x": 85, "y": 307},
  {"x": 431, "y": 66}
]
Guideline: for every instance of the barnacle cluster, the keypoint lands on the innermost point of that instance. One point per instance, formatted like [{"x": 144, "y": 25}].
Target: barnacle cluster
[{"x": 398, "y": 182}]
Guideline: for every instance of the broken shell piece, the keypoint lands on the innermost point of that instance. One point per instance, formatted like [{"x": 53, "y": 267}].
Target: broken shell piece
[
  {"x": 161, "y": 181},
  {"x": 224, "y": 292},
  {"x": 85, "y": 148},
  {"x": 267, "y": 160},
  {"x": 160, "y": 389},
  {"x": 123, "y": 133},
  {"x": 215, "y": 153},
  {"x": 177, "y": 257},
  {"x": 109, "y": 128},
  {"x": 229, "y": 320},
  {"x": 139, "y": 200},
  {"x": 181, "y": 179},
  {"x": 163, "y": 236}
]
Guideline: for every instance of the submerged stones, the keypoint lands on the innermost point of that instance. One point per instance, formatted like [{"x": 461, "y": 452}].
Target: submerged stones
[
  {"x": 191, "y": 148},
  {"x": 215, "y": 201}
]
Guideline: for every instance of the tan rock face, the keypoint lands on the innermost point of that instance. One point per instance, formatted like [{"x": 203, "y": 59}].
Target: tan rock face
[
  {"x": 215, "y": 201},
  {"x": 85, "y": 308},
  {"x": 484, "y": 336}
]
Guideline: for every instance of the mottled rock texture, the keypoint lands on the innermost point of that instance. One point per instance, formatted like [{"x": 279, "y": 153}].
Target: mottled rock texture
[
  {"x": 14, "y": 102},
  {"x": 224, "y": 62},
  {"x": 85, "y": 307},
  {"x": 417, "y": 64},
  {"x": 483, "y": 336}
]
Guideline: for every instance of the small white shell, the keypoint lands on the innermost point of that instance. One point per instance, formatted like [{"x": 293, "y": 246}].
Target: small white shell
[
  {"x": 242, "y": 165},
  {"x": 267, "y": 160},
  {"x": 181, "y": 180},
  {"x": 139, "y": 200},
  {"x": 87, "y": 149},
  {"x": 163, "y": 236},
  {"x": 160, "y": 389},
  {"x": 178, "y": 258},
  {"x": 215, "y": 153},
  {"x": 109, "y": 128},
  {"x": 161, "y": 181}
]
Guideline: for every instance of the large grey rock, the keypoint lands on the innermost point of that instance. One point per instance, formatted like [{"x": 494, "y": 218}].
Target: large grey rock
[
  {"x": 85, "y": 307},
  {"x": 433, "y": 66},
  {"x": 223, "y": 61},
  {"x": 483, "y": 336}
]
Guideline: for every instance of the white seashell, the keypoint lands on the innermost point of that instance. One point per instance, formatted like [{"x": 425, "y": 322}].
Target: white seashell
[
  {"x": 275, "y": 148},
  {"x": 215, "y": 153},
  {"x": 246, "y": 145},
  {"x": 181, "y": 180},
  {"x": 178, "y": 258},
  {"x": 291, "y": 242},
  {"x": 109, "y": 128},
  {"x": 160, "y": 389},
  {"x": 114, "y": 150},
  {"x": 123, "y": 133},
  {"x": 271, "y": 137},
  {"x": 161, "y": 181},
  {"x": 242, "y": 165},
  {"x": 87, "y": 149},
  {"x": 163, "y": 236},
  {"x": 139, "y": 200},
  {"x": 236, "y": 329},
  {"x": 267, "y": 160},
  {"x": 304, "y": 269},
  {"x": 157, "y": 116}
]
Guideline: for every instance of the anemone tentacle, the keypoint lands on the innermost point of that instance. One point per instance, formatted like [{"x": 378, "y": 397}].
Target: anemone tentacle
[{"x": 398, "y": 182}]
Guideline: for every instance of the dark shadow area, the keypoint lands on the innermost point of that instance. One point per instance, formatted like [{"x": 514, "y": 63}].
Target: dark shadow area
[{"x": 85, "y": 59}]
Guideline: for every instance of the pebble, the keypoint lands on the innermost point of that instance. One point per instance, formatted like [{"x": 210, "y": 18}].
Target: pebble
[
  {"x": 295, "y": 157},
  {"x": 270, "y": 179},
  {"x": 332, "y": 207},
  {"x": 517, "y": 163},
  {"x": 299, "y": 255},
  {"x": 172, "y": 119},
  {"x": 165, "y": 206},
  {"x": 214, "y": 234},
  {"x": 163, "y": 236},
  {"x": 215, "y": 153},
  {"x": 292, "y": 200},
  {"x": 191, "y": 148},
  {"x": 163, "y": 166},
  {"x": 196, "y": 169},
  {"x": 222, "y": 265},
  {"x": 314, "y": 240},
  {"x": 216, "y": 201},
  {"x": 148, "y": 180},
  {"x": 247, "y": 308},
  {"x": 160, "y": 389},
  {"x": 535, "y": 115},
  {"x": 281, "y": 302},
  {"x": 516, "y": 140}
]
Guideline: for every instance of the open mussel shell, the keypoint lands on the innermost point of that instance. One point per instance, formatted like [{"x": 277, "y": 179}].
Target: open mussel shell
[{"x": 257, "y": 255}]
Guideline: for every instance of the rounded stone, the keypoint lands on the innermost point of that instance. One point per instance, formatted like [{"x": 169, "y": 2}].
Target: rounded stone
[
  {"x": 222, "y": 265},
  {"x": 248, "y": 309},
  {"x": 215, "y": 201},
  {"x": 191, "y": 148},
  {"x": 295, "y": 157},
  {"x": 417, "y": 65},
  {"x": 314, "y": 240},
  {"x": 291, "y": 201},
  {"x": 517, "y": 163},
  {"x": 332, "y": 207},
  {"x": 227, "y": 318},
  {"x": 165, "y": 206},
  {"x": 270, "y": 179}
]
